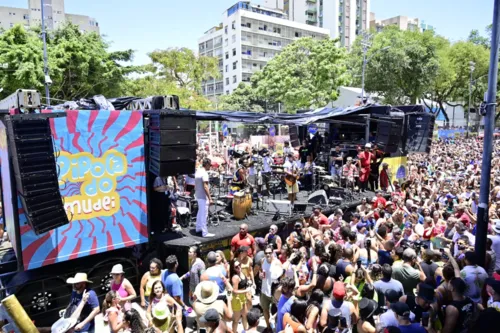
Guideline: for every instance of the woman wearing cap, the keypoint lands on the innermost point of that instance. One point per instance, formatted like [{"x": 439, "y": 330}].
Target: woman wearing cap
[
  {"x": 122, "y": 286},
  {"x": 166, "y": 321},
  {"x": 240, "y": 290},
  {"x": 154, "y": 274}
]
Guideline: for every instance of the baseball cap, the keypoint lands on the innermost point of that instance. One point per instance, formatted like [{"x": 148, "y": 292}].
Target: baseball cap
[
  {"x": 339, "y": 290},
  {"x": 211, "y": 316},
  {"x": 401, "y": 309},
  {"x": 211, "y": 258}
]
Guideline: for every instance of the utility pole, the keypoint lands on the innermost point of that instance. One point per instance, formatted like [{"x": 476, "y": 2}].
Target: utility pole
[
  {"x": 366, "y": 44},
  {"x": 489, "y": 126},
  {"x": 472, "y": 67},
  {"x": 48, "y": 81}
]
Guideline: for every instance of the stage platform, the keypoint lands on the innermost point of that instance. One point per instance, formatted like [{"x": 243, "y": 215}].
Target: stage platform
[{"x": 258, "y": 225}]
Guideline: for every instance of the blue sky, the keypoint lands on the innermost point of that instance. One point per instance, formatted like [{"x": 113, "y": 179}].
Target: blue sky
[{"x": 147, "y": 25}]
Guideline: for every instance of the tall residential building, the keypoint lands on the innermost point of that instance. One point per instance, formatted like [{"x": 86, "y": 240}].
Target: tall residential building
[
  {"x": 54, "y": 13},
  {"x": 402, "y": 22},
  {"x": 344, "y": 18},
  {"x": 248, "y": 37}
]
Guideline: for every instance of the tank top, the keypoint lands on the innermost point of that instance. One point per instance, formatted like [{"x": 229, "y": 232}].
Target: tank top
[
  {"x": 149, "y": 284},
  {"x": 243, "y": 284},
  {"x": 214, "y": 274},
  {"x": 245, "y": 268},
  {"x": 341, "y": 266},
  {"x": 466, "y": 309},
  {"x": 119, "y": 289},
  {"x": 271, "y": 240},
  {"x": 345, "y": 313}
]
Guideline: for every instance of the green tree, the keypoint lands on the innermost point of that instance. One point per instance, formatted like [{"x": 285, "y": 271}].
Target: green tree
[
  {"x": 307, "y": 73},
  {"x": 21, "y": 52},
  {"x": 183, "y": 66},
  {"x": 243, "y": 98},
  {"x": 402, "y": 72},
  {"x": 80, "y": 63}
]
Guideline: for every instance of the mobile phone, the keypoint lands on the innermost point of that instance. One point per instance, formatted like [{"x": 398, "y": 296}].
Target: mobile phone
[
  {"x": 425, "y": 319},
  {"x": 202, "y": 330}
]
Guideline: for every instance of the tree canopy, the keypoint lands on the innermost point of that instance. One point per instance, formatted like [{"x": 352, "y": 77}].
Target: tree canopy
[
  {"x": 307, "y": 73},
  {"x": 80, "y": 63},
  {"x": 242, "y": 98}
]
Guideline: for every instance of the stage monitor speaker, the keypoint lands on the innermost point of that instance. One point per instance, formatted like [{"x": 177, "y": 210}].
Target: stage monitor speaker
[
  {"x": 299, "y": 207},
  {"x": 318, "y": 198},
  {"x": 282, "y": 206},
  {"x": 35, "y": 171}
]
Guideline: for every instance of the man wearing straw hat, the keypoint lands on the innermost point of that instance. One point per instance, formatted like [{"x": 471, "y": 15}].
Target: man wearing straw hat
[
  {"x": 206, "y": 294},
  {"x": 86, "y": 323}
]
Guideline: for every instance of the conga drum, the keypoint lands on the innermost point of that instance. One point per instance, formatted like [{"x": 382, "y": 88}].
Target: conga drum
[
  {"x": 240, "y": 205},
  {"x": 248, "y": 201}
]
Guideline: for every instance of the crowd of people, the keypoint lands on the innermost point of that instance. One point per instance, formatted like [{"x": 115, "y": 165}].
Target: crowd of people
[{"x": 403, "y": 261}]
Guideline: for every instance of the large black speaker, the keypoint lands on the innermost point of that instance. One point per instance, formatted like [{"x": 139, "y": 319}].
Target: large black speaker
[
  {"x": 420, "y": 131},
  {"x": 172, "y": 142},
  {"x": 34, "y": 165}
]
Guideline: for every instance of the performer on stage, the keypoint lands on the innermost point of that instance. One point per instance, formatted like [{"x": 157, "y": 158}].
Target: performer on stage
[
  {"x": 252, "y": 170},
  {"x": 240, "y": 177},
  {"x": 304, "y": 152},
  {"x": 267, "y": 161},
  {"x": 308, "y": 173},
  {"x": 292, "y": 173},
  {"x": 377, "y": 158},
  {"x": 365, "y": 158},
  {"x": 287, "y": 149},
  {"x": 337, "y": 161},
  {"x": 203, "y": 197},
  {"x": 349, "y": 173},
  {"x": 164, "y": 187}
]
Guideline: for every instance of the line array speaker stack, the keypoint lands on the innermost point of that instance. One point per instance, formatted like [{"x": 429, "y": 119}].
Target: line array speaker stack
[
  {"x": 420, "y": 130},
  {"x": 34, "y": 164},
  {"x": 172, "y": 140}
]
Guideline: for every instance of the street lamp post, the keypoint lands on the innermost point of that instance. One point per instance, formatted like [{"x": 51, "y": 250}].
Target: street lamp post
[
  {"x": 366, "y": 45},
  {"x": 472, "y": 65},
  {"x": 48, "y": 81}
]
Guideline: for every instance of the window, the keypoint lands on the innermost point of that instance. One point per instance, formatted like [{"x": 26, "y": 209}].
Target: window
[
  {"x": 227, "y": 55},
  {"x": 227, "y": 81},
  {"x": 12, "y": 25},
  {"x": 234, "y": 78},
  {"x": 235, "y": 65},
  {"x": 234, "y": 52},
  {"x": 297, "y": 34},
  {"x": 233, "y": 39},
  {"x": 26, "y": 16},
  {"x": 227, "y": 68},
  {"x": 225, "y": 29},
  {"x": 227, "y": 92},
  {"x": 277, "y": 30},
  {"x": 226, "y": 42},
  {"x": 233, "y": 25}
]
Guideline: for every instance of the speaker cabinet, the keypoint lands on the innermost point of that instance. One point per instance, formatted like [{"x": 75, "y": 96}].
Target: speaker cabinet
[
  {"x": 34, "y": 165},
  {"x": 420, "y": 130},
  {"x": 172, "y": 142}
]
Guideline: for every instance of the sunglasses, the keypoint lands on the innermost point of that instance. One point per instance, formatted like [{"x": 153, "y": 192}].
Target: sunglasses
[{"x": 268, "y": 253}]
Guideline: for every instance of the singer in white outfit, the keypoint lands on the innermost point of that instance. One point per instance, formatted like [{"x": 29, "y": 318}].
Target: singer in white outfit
[{"x": 202, "y": 194}]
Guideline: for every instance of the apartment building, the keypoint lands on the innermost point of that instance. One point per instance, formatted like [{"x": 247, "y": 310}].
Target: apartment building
[
  {"x": 54, "y": 12},
  {"x": 344, "y": 18},
  {"x": 246, "y": 39},
  {"x": 402, "y": 22}
]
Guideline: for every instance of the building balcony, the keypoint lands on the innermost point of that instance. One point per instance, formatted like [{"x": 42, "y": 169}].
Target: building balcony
[
  {"x": 312, "y": 21},
  {"x": 311, "y": 11},
  {"x": 311, "y": 1}
]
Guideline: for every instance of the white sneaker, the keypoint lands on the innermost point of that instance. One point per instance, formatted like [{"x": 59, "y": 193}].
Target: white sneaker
[{"x": 209, "y": 235}]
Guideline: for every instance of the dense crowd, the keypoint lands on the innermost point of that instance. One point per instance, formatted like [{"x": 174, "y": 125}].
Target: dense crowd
[{"x": 404, "y": 261}]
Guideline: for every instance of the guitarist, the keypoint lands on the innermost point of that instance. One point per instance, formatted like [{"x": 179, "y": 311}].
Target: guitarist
[{"x": 291, "y": 176}]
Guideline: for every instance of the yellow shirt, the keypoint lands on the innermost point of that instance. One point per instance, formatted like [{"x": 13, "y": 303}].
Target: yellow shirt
[{"x": 152, "y": 279}]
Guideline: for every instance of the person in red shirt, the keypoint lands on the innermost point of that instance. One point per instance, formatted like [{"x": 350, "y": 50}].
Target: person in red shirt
[
  {"x": 462, "y": 216},
  {"x": 365, "y": 157},
  {"x": 384, "y": 177},
  {"x": 380, "y": 200},
  {"x": 243, "y": 238},
  {"x": 318, "y": 218}
]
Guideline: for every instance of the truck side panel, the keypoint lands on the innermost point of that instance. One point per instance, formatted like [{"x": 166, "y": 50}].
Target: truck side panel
[{"x": 102, "y": 178}]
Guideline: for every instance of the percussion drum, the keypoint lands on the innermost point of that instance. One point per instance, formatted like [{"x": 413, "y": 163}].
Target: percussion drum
[
  {"x": 248, "y": 200},
  {"x": 240, "y": 205}
]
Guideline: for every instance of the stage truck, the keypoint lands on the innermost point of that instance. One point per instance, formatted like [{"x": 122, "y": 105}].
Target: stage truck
[{"x": 102, "y": 210}]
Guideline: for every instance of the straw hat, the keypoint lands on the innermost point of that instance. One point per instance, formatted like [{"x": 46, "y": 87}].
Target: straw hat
[
  {"x": 161, "y": 311},
  {"x": 78, "y": 278},
  {"x": 206, "y": 292},
  {"x": 63, "y": 325},
  {"x": 117, "y": 269}
]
